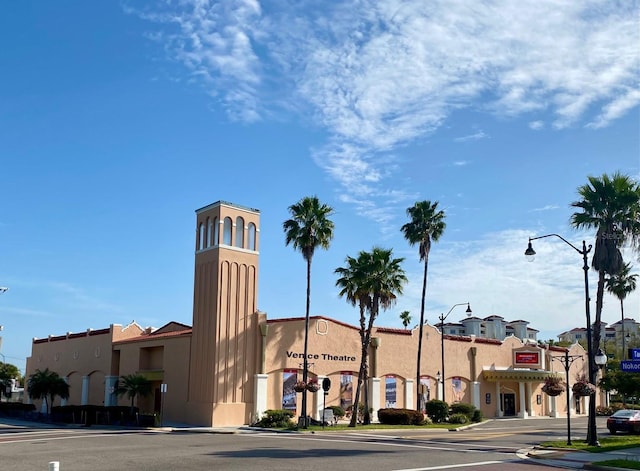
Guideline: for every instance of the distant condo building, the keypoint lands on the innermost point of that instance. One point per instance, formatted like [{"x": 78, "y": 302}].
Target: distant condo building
[{"x": 611, "y": 335}]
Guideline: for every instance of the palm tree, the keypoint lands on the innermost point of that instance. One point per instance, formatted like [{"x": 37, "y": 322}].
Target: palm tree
[
  {"x": 133, "y": 386},
  {"x": 620, "y": 285},
  {"x": 373, "y": 280},
  {"x": 405, "y": 316},
  {"x": 611, "y": 206},
  {"x": 308, "y": 229},
  {"x": 426, "y": 225},
  {"x": 47, "y": 385}
]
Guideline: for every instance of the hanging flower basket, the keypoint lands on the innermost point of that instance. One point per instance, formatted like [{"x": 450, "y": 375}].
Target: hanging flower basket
[
  {"x": 313, "y": 386},
  {"x": 299, "y": 386},
  {"x": 553, "y": 386},
  {"x": 583, "y": 388}
]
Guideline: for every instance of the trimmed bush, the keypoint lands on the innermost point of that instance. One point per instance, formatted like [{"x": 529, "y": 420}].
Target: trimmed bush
[
  {"x": 400, "y": 417},
  {"x": 337, "y": 411},
  {"x": 437, "y": 410},
  {"x": 458, "y": 419},
  {"x": 276, "y": 418},
  {"x": 473, "y": 414}
]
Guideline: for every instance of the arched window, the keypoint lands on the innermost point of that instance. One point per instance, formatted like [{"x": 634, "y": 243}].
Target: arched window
[
  {"x": 201, "y": 237},
  {"x": 252, "y": 236},
  {"x": 226, "y": 231},
  {"x": 216, "y": 231},
  {"x": 209, "y": 232},
  {"x": 239, "y": 232}
]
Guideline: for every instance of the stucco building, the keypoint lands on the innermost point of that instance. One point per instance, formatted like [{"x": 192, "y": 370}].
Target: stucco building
[{"x": 234, "y": 363}]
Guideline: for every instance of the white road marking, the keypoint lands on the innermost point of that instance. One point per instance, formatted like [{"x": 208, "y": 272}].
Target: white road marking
[{"x": 451, "y": 466}]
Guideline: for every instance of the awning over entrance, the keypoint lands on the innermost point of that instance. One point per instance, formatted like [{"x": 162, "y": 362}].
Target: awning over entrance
[{"x": 516, "y": 375}]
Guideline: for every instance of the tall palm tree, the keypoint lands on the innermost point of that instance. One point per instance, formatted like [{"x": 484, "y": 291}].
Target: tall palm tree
[
  {"x": 611, "y": 206},
  {"x": 426, "y": 225},
  {"x": 373, "y": 280},
  {"x": 308, "y": 229},
  {"x": 405, "y": 317},
  {"x": 620, "y": 285},
  {"x": 47, "y": 385},
  {"x": 133, "y": 386}
]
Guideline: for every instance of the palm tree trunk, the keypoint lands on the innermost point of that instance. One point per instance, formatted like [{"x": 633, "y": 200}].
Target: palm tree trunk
[
  {"x": 424, "y": 293},
  {"x": 624, "y": 346},
  {"x": 356, "y": 399},
  {"x": 595, "y": 345},
  {"x": 305, "y": 364}
]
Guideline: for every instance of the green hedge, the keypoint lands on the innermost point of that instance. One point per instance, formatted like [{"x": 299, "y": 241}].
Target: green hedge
[
  {"x": 400, "y": 417},
  {"x": 276, "y": 418}
]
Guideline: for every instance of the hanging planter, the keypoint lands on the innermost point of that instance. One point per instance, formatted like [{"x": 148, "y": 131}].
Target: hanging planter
[
  {"x": 313, "y": 386},
  {"x": 553, "y": 386},
  {"x": 583, "y": 388},
  {"x": 299, "y": 386}
]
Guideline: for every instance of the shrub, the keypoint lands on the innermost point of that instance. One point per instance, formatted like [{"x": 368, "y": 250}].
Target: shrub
[
  {"x": 458, "y": 419},
  {"x": 278, "y": 418},
  {"x": 400, "y": 417},
  {"x": 437, "y": 410},
  {"x": 337, "y": 411},
  {"x": 477, "y": 416},
  {"x": 462, "y": 408}
]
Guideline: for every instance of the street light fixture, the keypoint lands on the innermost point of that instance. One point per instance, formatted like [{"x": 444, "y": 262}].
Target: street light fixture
[
  {"x": 592, "y": 433},
  {"x": 3, "y": 289},
  {"x": 566, "y": 361},
  {"x": 442, "y": 319}
]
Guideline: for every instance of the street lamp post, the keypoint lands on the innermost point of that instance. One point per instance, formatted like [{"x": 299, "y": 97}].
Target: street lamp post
[
  {"x": 592, "y": 433},
  {"x": 442, "y": 319},
  {"x": 566, "y": 361}
]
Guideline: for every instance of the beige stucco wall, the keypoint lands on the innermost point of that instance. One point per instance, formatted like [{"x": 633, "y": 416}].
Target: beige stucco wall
[{"x": 396, "y": 355}]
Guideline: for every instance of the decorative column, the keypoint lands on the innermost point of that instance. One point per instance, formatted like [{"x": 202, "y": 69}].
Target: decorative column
[
  {"x": 552, "y": 406},
  {"x": 84, "y": 398},
  {"x": 529, "y": 398},
  {"x": 374, "y": 391},
  {"x": 318, "y": 400},
  {"x": 475, "y": 394},
  {"x": 408, "y": 393},
  {"x": 523, "y": 407},
  {"x": 260, "y": 395},
  {"x": 499, "y": 411},
  {"x": 110, "y": 396}
]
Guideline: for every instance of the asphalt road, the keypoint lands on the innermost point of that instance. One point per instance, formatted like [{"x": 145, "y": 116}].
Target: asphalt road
[{"x": 494, "y": 445}]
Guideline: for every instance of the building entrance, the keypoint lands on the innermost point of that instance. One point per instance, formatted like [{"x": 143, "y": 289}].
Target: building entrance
[{"x": 509, "y": 404}]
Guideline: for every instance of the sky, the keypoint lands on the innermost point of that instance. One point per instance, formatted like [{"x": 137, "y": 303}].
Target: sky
[{"x": 119, "y": 119}]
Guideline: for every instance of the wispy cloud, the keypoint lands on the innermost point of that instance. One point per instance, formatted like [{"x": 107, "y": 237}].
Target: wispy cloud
[
  {"x": 472, "y": 137},
  {"x": 378, "y": 74},
  {"x": 548, "y": 207}
]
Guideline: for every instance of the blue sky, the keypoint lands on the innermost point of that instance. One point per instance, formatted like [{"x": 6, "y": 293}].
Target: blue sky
[{"x": 119, "y": 119}]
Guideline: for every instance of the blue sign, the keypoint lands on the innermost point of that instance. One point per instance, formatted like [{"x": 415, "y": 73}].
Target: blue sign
[
  {"x": 630, "y": 366},
  {"x": 635, "y": 353}
]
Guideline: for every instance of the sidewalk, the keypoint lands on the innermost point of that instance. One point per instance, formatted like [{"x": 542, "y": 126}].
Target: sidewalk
[{"x": 582, "y": 459}]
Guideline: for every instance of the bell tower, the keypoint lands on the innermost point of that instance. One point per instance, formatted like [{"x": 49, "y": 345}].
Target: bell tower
[{"x": 224, "y": 353}]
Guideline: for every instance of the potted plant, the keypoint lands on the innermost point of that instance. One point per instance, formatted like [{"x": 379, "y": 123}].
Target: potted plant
[
  {"x": 582, "y": 387},
  {"x": 313, "y": 385},
  {"x": 553, "y": 386},
  {"x": 299, "y": 386}
]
